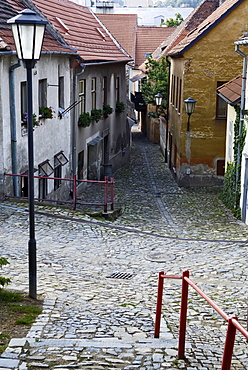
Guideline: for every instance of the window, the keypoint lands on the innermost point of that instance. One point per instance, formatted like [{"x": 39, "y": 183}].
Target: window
[
  {"x": 45, "y": 170},
  {"x": 221, "y": 105},
  {"x": 104, "y": 90},
  {"x": 81, "y": 165},
  {"x": 61, "y": 92},
  {"x": 43, "y": 93},
  {"x": 57, "y": 173},
  {"x": 117, "y": 89},
  {"x": 93, "y": 93},
  {"x": 176, "y": 93},
  {"x": 81, "y": 95}
]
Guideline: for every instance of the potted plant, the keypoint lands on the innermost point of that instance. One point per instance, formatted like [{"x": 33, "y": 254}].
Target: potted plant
[
  {"x": 25, "y": 120},
  {"x": 96, "y": 114},
  {"x": 107, "y": 110},
  {"x": 120, "y": 107},
  {"x": 46, "y": 112},
  {"x": 84, "y": 119}
]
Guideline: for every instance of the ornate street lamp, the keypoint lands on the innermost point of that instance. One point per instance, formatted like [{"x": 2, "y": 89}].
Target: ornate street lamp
[
  {"x": 158, "y": 98},
  {"x": 190, "y": 106},
  {"x": 28, "y": 32}
]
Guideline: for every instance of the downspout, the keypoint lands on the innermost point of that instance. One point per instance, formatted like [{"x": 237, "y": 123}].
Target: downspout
[
  {"x": 242, "y": 108},
  {"x": 167, "y": 115},
  {"x": 13, "y": 125}
]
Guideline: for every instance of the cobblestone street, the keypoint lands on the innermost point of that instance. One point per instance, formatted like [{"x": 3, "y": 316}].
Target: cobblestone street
[{"x": 92, "y": 320}]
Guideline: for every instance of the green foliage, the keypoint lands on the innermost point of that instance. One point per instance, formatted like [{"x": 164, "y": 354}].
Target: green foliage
[
  {"x": 156, "y": 82},
  {"x": 3, "y": 280},
  {"x": 36, "y": 122},
  {"x": 6, "y": 296},
  {"x": 120, "y": 107},
  {"x": 232, "y": 185},
  {"x": 174, "y": 22},
  {"x": 96, "y": 114},
  {"x": 84, "y": 119},
  {"x": 46, "y": 112},
  {"x": 107, "y": 110},
  {"x": 31, "y": 313}
]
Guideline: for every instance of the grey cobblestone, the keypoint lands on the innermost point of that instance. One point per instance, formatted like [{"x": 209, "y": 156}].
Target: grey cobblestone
[{"x": 91, "y": 321}]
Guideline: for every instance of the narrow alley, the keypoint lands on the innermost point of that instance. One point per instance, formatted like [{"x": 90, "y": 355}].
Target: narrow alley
[{"x": 93, "y": 320}]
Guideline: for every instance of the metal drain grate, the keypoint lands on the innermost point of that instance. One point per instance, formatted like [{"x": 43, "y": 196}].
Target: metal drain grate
[{"x": 120, "y": 275}]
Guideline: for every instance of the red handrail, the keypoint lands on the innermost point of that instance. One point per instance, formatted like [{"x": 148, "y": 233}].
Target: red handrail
[
  {"x": 106, "y": 201},
  {"x": 233, "y": 323}
]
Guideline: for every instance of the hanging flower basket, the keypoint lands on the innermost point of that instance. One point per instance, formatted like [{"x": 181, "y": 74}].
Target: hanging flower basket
[
  {"x": 96, "y": 114},
  {"x": 107, "y": 110},
  {"x": 120, "y": 107},
  {"x": 84, "y": 120},
  {"x": 46, "y": 112},
  {"x": 36, "y": 122}
]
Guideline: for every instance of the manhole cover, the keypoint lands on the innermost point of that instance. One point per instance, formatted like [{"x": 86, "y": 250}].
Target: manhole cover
[
  {"x": 160, "y": 257},
  {"x": 120, "y": 275}
]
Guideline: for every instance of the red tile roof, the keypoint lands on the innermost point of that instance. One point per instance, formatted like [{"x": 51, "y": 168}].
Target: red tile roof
[
  {"x": 148, "y": 39},
  {"x": 124, "y": 28},
  {"x": 8, "y": 9},
  {"x": 231, "y": 90},
  {"x": 82, "y": 30}
]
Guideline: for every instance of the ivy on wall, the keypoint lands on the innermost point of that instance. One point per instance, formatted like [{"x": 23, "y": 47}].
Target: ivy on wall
[{"x": 232, "y": 180}]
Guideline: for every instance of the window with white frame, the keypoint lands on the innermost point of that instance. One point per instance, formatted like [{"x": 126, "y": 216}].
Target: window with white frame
[
  {"x": 43, "y": 92},
  {"x": 93, "y": 93},
  {"x": 82, "y": 95}
]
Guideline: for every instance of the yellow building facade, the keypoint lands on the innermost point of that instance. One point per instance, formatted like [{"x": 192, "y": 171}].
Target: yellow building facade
[{"x": 203, "y": 61}]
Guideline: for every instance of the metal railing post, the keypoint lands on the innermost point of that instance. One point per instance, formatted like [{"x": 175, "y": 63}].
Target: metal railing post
[
  {"x": 183, "y": 316},
  {"x": 74, "y": 191},
  {"x": 112, "y": 193},
  {"x": 159, "y": 304},
  {"x": 229, "y": 344},
  {"x": 105, "y": 207}
]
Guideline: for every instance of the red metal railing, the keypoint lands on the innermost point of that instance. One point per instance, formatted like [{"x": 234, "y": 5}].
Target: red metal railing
[
  {"x": 108, "y": 192},
  {"x": 233, "y": 323}
]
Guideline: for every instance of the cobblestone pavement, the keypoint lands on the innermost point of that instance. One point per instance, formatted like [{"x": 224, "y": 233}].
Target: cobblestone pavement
[{"x": 92, "y": 320}]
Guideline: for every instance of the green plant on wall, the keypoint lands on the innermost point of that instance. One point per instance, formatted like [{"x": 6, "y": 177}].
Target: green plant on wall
[
  {"x": 231, "y": 192},
  {"x": 84, "y": 119},
  {"x": 96, "y": 115},
  {"x": 120, "y": 107},
  {"x": 46, "y": 112},
  {"x": 107, "y": 110},
  {"x": 36, "y": 122},
  {"x": 156, "y": 81}
]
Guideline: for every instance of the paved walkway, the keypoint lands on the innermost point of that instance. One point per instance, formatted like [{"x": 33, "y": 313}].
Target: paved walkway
[{"x": 93, "y": 320}]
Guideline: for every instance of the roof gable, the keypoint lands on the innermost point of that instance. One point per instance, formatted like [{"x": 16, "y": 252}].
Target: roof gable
[
  {"x": 82, "y": 30},
  {"x": 204, "y": 27}
]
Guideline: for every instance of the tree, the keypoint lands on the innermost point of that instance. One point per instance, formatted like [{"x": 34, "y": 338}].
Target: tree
[
  {"x": 156, "y": 81},
  {"x": 174, "y": 22}
]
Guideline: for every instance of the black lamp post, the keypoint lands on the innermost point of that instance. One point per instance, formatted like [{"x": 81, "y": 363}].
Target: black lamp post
[
  {"x": 190, "y": 106},
  {"x": 28, "y": 32}
]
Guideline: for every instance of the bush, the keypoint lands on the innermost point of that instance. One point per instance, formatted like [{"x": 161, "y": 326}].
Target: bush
[
  {"x": 107, "y": 110},
  {"x": 3, "y": 280},
  {"x": 84, "y": 119},
  {"x": 96, "y": 114},
  {"x": 120, "y": 107}
]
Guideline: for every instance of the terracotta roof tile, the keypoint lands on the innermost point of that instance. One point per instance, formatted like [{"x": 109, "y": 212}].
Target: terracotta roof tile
[
  {"x": 9, "y": 9},
  {"x": 123, "y": 27},
  {"x": 231, "y": 90},
  {"x": 148, "y": 39},
  {"x": 82, "y": 30}
]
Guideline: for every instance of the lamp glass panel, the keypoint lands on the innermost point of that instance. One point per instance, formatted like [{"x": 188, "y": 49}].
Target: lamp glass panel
[
  {"x": 39, "y": 34},
  {"x": 28, "y": 40},
  {"x": 17, "y": 40}
]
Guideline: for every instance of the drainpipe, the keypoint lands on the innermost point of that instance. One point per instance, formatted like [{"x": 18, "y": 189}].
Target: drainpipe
[
  {"x": 13, "y": 125},
  {"x": 242, "y": 108}
]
